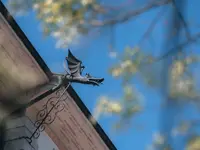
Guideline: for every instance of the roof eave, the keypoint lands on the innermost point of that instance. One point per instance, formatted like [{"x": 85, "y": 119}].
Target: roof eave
[{"x": 49, "y": 74}]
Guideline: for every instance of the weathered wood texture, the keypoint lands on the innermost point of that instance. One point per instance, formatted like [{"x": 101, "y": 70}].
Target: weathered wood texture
[
  {"x": 19, "y": 71},
  {"x": 71, "y": 130}
]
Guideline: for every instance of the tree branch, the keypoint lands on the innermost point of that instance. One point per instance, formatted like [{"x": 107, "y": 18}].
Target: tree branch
[
  {"x": 129, "y": 15},
  {"x": 187, "y": 32},
  {"x": 120, "y": 6},
  {"x": 152, "y": 26},
  {"x": 180, "y": 47}
]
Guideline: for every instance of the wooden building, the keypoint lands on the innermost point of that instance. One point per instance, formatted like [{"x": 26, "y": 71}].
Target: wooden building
[{"x": 25, "y": 77}]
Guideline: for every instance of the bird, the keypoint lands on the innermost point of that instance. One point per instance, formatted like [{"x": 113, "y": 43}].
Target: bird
[{"x": 74, "y": 72}]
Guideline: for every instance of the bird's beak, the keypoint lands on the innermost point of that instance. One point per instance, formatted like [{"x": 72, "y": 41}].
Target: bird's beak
[{"x": 96, "y": 81}]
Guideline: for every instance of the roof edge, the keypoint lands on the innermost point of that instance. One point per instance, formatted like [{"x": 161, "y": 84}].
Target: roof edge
[
  {"x": 87, "y": 113},
  {"x": 47, "y": 71}
]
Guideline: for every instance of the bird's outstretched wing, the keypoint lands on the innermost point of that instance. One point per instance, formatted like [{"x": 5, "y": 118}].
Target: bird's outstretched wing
[{"x": 74, "y": 65}]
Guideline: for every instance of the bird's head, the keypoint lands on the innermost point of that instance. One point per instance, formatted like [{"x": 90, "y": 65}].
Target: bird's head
[{"x": 93, "y": 80}]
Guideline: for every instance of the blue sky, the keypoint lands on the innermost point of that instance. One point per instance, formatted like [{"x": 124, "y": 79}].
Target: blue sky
[{"x": 94, "y": 54}]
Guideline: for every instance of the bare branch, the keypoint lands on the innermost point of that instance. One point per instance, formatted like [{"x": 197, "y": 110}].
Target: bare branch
[
  {"x": 129, "y": 15},
  {"x": 152, "y": 26},
  {"x": 184, "y": 23},
  {"x": 123, "y": 5},
  {"x": 181, "y": 46}
]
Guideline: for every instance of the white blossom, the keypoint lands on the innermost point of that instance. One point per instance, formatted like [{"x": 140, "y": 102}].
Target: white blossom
[
  {"x": 86, "y": 2},
  {"x": 113, "y": 54},
  {"x": 66, "y": 38},
  {"x": 126, "y": 63},
  {"x": 56, "y": 34},
  {"x": 158, "y": 138},
  {"x": 36, "y": 6}
]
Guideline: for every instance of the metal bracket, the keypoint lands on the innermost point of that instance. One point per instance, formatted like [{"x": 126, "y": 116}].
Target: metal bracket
[{"x": 48, "y": 113}]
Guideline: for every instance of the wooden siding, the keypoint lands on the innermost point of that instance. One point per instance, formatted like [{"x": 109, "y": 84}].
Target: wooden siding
[
  {"x": 71, "y": 130},
  {"x": 19, "y": 71}
]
